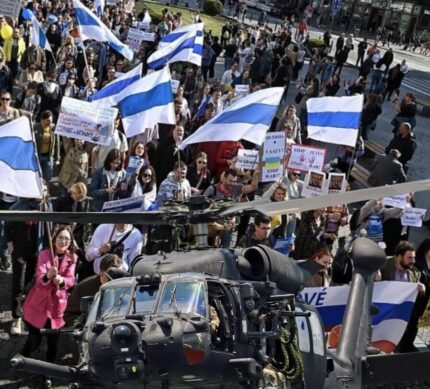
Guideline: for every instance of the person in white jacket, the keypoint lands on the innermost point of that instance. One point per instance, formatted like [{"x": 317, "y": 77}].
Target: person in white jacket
[{"x": 123, "y": 240}]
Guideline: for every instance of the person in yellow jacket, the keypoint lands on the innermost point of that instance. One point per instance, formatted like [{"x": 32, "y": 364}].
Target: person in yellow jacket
[{"x": 14, "y": 48}]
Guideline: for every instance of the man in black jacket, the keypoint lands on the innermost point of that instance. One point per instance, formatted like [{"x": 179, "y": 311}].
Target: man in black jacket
[{"x": 405, "y": 142}]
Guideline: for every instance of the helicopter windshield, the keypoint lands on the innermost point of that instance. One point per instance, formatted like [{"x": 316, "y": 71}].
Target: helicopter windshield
[
  {"x": 145, "y": 299},
  {"x": 114, "y": 302},
  {"x": 184, "y": 297}
]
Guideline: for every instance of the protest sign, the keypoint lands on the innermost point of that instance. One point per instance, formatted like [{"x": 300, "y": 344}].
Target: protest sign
[
  {"x": 175, "y": 85},
  {"x": 241, "y": 90},
  {"x": 413, "y": 217},
  {"x": 134, "y": 164},
  {"x": 336, "y": 183},
  {"x": 398, "y": 201},
  {"x": 247, "y": 159},
  {"x": 148, "y": 36},
  {"x": 10, "y": 8},
  {"x": 273, "y": 156},
  {"x": 315, "y": 184},
  {"x": 306, "y": 158},
  {"x": 130, "y": 204},
  {"x": 135, "y": 39},
  {"x": 395, "y": 300},
  {"x": 79, "y": 120}
]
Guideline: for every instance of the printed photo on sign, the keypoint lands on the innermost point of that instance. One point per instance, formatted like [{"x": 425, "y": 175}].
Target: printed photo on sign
[
  {"x": 306, "y": 158},
  {"x": 413, "y": 217},
  {"x": 336, "y": 182},
  {"x": 247, "y": 159},
  {"x": 79, "y": 120},
  {"x": 314, "y": 184}
]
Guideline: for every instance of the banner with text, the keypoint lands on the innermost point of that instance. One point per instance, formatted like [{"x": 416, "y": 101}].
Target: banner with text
[
  {"x": 79, "y": 120},
  {"x": 247, "y": 159},
  {"x": 394, "y": 299},
  {"x": 306, "y": 158},
  {"x": 131, "y": 204},
  {"x": 273, "y": 156},
  {"x": 10, "y": 8},
  {"x": 413, "y": 217}
]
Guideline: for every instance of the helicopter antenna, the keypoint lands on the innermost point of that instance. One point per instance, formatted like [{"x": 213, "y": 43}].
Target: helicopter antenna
[{"x": 220, "y": 270}]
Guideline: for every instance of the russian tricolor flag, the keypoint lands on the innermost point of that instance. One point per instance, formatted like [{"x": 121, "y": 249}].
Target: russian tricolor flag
[{"x": 394, "y": 299}]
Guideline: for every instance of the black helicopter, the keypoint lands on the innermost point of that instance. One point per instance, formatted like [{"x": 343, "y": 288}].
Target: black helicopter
[{"x": 153, "y": 328}]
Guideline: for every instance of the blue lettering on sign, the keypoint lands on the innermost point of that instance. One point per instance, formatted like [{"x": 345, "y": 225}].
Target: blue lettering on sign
[{"x": 316, "y": 299}]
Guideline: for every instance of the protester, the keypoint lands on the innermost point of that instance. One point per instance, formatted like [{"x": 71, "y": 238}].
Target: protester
[{"x": 46, "y": 302}]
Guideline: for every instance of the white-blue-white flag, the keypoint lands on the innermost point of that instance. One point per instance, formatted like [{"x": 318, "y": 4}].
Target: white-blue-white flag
[
  {"x": 19, "y": 168},
  {"x": 112, "y": 93},
  {"x": 91, "y": 27},
  {"x": 183, "y": 44},
  {"x": 99, "y": 6},
  {"x": 248, "y": 118},
  {"x": 147, "y": 102},
  {"x": 38, "y": 37},
  {"x": 335, "y": 119}
]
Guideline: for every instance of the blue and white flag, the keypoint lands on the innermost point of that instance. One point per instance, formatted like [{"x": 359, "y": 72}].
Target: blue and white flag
[
  {"x": 147, "y": 102},
  {"x": 248, "y": 118},
  {"x": 183, "y": 44},
  {"x": 38, "y": 37},
  {"x": 19, "y": 167},
  {"x": 91, "y": 27},
  {"x": 335, "y": 119},
  {"x": 112, "y": 93},
  {"x": 394, "y": 299},
  {"x": 99, "y": 6}
]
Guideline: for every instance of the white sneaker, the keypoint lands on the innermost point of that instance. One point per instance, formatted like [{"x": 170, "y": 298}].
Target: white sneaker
[{"x": 16, "y": 328}]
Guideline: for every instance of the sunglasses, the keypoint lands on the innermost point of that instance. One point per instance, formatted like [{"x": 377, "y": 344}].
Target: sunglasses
[
  {"x": 5, "y": 99},
  {"x": 144, "y": 175},
  {"x": 61, "y": 239},
  {"x": 202, "y": 162},
  {"x": 296, "y": 174}
]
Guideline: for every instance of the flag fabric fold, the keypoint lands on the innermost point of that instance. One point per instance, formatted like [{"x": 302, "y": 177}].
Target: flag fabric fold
[
  {"x": 147, "y": 102},
  {"x": 91, "y": 27},
  {"x": 183, "y": 44},
  {"x": 38, "y": 37},
  {"x": 248, "y": 118},
  {"x": 112, "y": 93},
  {"x": 19, "y": 167},
  {"x": 335, "y": 119}
]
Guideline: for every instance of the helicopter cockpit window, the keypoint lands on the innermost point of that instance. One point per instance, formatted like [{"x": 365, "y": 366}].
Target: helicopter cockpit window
[
  {"x": 92, "y": 313},
  {"x": 145, "y": 299},
  {"x": 184, "y": 297},
  {"x": 114, "y": 302}
]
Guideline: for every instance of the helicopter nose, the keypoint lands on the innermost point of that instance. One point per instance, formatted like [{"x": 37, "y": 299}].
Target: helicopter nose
[{"x": 122, "y": 333}]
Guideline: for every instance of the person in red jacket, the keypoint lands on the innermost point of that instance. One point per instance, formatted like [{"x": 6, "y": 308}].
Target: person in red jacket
[
  {"x": 226, "y": 156},
  {"x": 46, "y": 302}
]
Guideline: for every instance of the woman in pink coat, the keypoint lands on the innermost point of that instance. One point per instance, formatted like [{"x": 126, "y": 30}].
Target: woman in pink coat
[{"x": 45, "y": 304}]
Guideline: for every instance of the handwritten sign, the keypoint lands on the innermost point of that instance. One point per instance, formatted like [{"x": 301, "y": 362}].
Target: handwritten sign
[
  {"x": 247, "y": 159},
  {"x": 79, "y": 120},
  {"x": 175, "y": 85},
  {"x": 306, "y": 158},
  {"x": 130, "y": 204},
  {"x": 398, "y": 201},
  {"x": 413, "y": 217},
  {"x": 10, "y": 8},
  {"x": 241, "y": 90},
  {"x": 315, "y": 184},
  {"x": 273, "y": 156}
]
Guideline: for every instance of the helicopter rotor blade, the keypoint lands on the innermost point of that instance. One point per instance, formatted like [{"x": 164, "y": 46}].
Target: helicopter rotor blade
[{"x": 271, "y": 208}]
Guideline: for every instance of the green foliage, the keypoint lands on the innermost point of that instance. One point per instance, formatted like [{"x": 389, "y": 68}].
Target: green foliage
[{"x": 213, "y": 7}]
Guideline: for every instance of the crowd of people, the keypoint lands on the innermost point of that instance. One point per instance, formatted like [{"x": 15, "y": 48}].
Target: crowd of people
[{"x": 82, "y": 177}]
